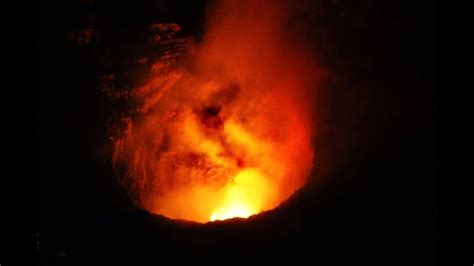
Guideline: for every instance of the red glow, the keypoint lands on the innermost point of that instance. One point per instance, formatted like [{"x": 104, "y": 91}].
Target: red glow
[{"x": 225, "y": 131}]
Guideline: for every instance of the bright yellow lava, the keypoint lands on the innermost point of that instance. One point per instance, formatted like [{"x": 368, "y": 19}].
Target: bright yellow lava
[{"x": 244, "y": 196}]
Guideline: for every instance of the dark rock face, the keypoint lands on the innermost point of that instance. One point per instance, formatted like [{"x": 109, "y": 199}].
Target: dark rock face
[{"x": 371, "y": 202}]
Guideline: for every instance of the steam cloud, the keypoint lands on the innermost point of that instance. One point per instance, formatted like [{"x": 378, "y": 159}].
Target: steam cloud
[{"x": 226, "y": 130}]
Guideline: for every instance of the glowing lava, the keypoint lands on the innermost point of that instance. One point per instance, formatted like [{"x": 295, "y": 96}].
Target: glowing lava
[
  {"x": 243, "y": 196},
  {"x": 226, "y": 131}
]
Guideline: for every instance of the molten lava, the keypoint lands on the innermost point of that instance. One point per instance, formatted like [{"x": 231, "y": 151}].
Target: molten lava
[{"x": 224, "y": 131}]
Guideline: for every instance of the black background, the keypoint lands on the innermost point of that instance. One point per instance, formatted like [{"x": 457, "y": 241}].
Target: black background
[{"x": 371, "y": 202}]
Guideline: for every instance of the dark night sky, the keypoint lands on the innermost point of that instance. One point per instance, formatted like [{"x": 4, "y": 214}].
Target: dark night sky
[{"x": 375, "y": 205}]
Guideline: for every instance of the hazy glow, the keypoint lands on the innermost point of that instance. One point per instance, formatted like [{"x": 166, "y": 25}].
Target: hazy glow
[{"x": 226, "y": 131}]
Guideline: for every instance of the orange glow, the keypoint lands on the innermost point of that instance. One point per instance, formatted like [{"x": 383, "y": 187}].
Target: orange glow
[
  {"x": 243, "y": 196},
  {"x": 224, "y": 131}
]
